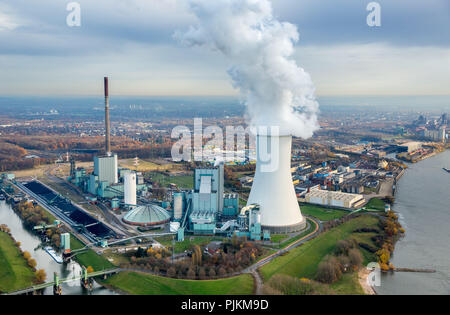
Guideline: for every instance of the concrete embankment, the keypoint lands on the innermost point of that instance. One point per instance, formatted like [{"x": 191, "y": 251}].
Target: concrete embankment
[{"x": 414, "y": 270}]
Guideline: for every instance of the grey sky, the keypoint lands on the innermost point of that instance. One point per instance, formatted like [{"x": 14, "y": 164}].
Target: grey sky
[{"x": 131, "y": 41}]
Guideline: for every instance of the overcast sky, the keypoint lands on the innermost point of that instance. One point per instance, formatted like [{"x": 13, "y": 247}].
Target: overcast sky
[{"x": 132, "y": 42}]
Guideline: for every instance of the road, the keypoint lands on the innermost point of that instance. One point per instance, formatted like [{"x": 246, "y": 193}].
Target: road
[{"x": 253, "y": 269}]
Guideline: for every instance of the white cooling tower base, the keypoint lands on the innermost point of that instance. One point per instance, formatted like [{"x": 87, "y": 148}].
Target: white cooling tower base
[{"x": 285, "y": 229}]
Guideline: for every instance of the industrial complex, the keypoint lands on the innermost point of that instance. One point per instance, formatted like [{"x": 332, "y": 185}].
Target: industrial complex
[{"x": 206, "y": 209}]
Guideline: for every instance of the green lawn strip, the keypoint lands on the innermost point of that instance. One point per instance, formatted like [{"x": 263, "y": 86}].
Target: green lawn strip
[
  {"x": 181, "y": 181},
  {"x": 348, "y": 284},
  {"x": 376, "y": 204},
  {"x": 15, "y": 273},
  {"x": 322, "y": 213},
  {"x": 303, "y": 260},
  {"x": 89, "y": 258},
  {"x": 277, "y": 238},
  {"x": 146, "y": 284},
  {"x": 311, "y": 228}
]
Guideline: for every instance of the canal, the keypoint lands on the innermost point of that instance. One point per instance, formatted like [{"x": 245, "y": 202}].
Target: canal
[{"x": 31, "y": 243}]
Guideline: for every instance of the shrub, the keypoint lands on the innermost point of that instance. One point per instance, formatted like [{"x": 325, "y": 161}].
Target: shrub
[
  {"x": 355, "y": 257},
  {"x": 171, "y": 272},
  {"x": 191, "y": 274},
  {"x": 329, "y": 270}
]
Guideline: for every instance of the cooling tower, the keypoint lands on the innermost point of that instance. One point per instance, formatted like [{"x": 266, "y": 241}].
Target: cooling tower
[
  {"x": 272, "y": 187},
  {"x": 130, "y": 189}
]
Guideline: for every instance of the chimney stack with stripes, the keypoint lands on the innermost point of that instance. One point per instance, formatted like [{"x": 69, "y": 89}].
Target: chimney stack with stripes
[{"x": 107, "y": 124}]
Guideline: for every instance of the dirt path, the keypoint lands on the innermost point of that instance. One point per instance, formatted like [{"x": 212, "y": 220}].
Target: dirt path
[{"x": 258, "y": 283}]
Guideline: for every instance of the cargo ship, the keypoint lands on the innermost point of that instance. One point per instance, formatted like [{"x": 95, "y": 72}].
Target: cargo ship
[{"x": 53, "y": 254}]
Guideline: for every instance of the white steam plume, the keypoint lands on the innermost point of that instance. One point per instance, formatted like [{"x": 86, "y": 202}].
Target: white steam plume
[{"x": 276, "y": 91}]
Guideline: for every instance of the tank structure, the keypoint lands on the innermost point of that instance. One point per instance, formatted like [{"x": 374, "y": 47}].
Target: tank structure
[
  {"x": 273, "y": 189},
  {"x": 130, "y": 189},
  {"x": 147, "y": 215}
]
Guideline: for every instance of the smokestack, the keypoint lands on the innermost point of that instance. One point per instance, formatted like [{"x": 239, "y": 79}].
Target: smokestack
[
  {"x": 107, "y": 126},
  {"x": 272, "y": 187}
]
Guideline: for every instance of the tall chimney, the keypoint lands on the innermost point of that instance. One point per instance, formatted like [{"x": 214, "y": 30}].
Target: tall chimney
[{"x": 107, "y": 126}]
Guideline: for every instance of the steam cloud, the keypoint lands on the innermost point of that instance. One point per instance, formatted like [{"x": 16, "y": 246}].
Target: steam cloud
[{"x": 276, "y": 91}]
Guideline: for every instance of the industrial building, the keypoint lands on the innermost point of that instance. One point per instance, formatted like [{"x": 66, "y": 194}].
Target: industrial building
[
  {"x": 410, "y": 146},
  {"x": 65, "y": 242},
  {"x": 206, "y": 205},
  {"x": 147, "y": 215},
  {"x": 108, "y": 181},
  {"x": 207, "y": 210},
  {"x": 437, "y": 135},
  {"x": 334, "y": 199}
]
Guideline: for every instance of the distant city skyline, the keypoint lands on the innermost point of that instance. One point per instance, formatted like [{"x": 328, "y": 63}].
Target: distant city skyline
[{"x": 132, "y": 43}]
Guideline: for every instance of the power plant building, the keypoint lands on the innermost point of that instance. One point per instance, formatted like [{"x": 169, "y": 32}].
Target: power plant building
[
  {"x": 105, "y": 167},
  {"x": 208, "y": 189},
  {"x": 334, "y": 199},
  {"x": 65, "y": 242},
  {"x": 107, "y": 180}
]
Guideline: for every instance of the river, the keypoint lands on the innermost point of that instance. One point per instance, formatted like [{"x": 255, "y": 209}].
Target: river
[
  {"x": 29, "y": 242},
  {"x": 423, "y": 204}
]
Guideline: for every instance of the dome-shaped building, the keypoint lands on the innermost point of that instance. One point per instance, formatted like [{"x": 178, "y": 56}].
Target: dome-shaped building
[{"x": 147, "y": 215}]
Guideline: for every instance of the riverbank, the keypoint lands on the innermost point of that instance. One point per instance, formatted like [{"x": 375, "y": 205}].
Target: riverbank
[
  {"x": 31, "y": 243},
  {"x": 303, "y": 261},
  {"x": 363, "y": 277},
  {"x": 421, "y": 201},
  {"x": 15, "y": 273}
]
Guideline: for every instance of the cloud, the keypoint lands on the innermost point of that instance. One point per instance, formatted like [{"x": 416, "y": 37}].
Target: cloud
[
  {"x": 377, "y": 68},
  {"x": 132, "y": 39},
  {"x": 275, "y": 90},
  {"x": 8, "y": 22}
]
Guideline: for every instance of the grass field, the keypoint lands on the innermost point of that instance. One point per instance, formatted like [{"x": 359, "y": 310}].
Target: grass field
[
  {"x": 89, "y": 258},
  {"x": 286, "y": 243},
  {"x": 348, "y": 284},
  {"x": 375, "y": 203},
  {"x": 322, "y": 213},
  {"x": 14, "y": 271},
  {"x": 278, "y": 238},
  {"x": 303, "y": 260},
  {"x": 186, "y": 182},
  {"x": 146, "y": 284}
]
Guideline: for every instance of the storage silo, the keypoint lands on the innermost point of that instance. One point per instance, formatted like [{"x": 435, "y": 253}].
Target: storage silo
[
  {"x": 178, "y": 205},
  {"x": 130, "y": 189}
]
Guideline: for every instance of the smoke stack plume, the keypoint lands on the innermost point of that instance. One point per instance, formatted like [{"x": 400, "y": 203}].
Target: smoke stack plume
[
  {"x": 275, "y": 90},
  {"x": 107, "y": 125}
]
